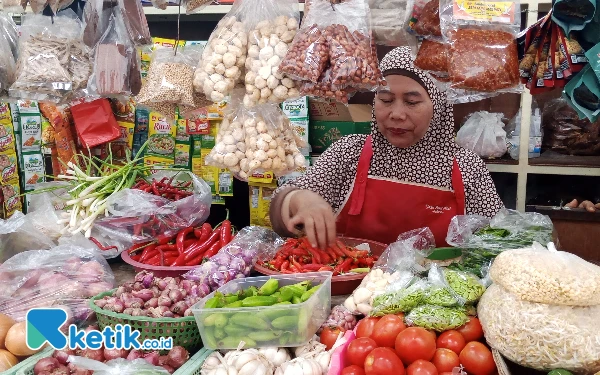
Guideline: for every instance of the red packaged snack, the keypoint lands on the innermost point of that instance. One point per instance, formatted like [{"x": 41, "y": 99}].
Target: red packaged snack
[
  {"x": 433, "y": 57},
  {"x": 95, "y": 123},
  {"x": 65, "y": 151},
  {"x": 483, "y": 60},
  {"x": 427, "y": 22},
  {"x": 533, "y": 38},
  {"x": 571, "y": 48}
]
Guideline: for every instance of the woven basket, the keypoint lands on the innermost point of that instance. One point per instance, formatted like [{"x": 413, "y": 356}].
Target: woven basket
[{"x": 184, "y": 331}]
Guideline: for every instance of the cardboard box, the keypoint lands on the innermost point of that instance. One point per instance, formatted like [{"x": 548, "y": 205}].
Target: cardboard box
[{"x": 331, "y": 121}]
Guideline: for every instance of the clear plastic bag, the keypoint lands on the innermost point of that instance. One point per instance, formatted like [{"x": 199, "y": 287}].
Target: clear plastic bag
[
  {"x": 325, "y": 89},
  {"x": 257, "y": 139},
  {"x": 12, "y": 6},
  {"x": 37, "y": 6},
  {"x": 9, "y": 31},
  {"x": 170, "y": 77},
  {"x": 64, "y": 276},
  {"x": 531, "y": 275},
  {"x": 7, "y": 66},
  {"x": 45, "y": 209},
  {"x": 433, "y": 57},
  {"x": 465, "y": 287},
  {"x": 80, "y": 65},
  {"x": 112, "y": 61},
  {"x": 96, "y": 21},
  {"x": 400, "y": 297},
  {"x": 483, "y": 133},
  {"x": 224, "y": 56},
  {"x": 119, "y": 366},
  {"x": 308, "y": 56},
  {"x": 437, "y": 318},
  {"x": 135, "y": 22},
  {"x": 388, "y": 18},
  {"x": 194, "y": 6},
  {"x": 272, "y": 27},
  {"x": 18, "y": 234},
  {"x": 236, "y": 259},
  {"x": 425, "y": 19}
]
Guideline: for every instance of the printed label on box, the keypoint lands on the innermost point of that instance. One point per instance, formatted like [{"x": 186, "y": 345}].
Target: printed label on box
[
  {"x": 33, "y": 170},
  {"x": 28, "y": 107},
  {"x": 31, "y": 133},
  {"x": 161, "y": 137},
  {"x": 296, "y": 108}
]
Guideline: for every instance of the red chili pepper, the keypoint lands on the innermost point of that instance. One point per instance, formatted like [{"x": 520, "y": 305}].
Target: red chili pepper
[
  {"x": 214, "y": 237},
  {"x": 326, "y": 268},
  {"x": 166, "y": 248},
  {"x": 214, "y": 249},
  {"x": 350, "y": 253},
  {"x": 204, "y": 232},
  {"x": 196, "y": 261},
  {"x": 169, "y": 260},
  {"x": 312, "y": 267},
  {"x": 225, "y": 233},
  {"x": 295, "y": 264},
  {"x": 136, "y": 257},
  {"x": 285, "y": 265},
  {"x": 163, "y": 239},
  {"x": 147, "y": 251},
  {"x": 300, "y": 252},
  {"x": 154, "y": 261},
  {"x": 188, "y": 243},
  {"x": 344, "y": 266},
  {"x": 181, "y": 237},
  {"x": 102, "y": 247},
  {"x": 277, "y": 262},
  {"x": 336, "y": 250},
  {"x": 138, "y": 247}
]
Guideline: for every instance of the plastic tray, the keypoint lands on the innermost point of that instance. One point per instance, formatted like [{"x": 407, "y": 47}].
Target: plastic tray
[
  {"x": 309, "y": 315},
  {"x": 158, "y": 271},
  {"x": 343, "y": 284},
  {"x": 191, "y": 367}
]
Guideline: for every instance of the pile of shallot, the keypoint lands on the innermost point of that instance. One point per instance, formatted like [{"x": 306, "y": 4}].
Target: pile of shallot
[
  {"x": 155, "y": 297},
  {"x": 58, "y": 363}
]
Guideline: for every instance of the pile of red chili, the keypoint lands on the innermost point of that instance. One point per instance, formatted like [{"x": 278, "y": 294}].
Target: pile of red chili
[
  {"x": 297, "y": 255},
  {"x": 188, "y": 248},
  {"x": 165, "y": 188}
]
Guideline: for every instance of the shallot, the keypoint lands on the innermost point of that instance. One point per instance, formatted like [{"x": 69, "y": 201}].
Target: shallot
[
  {"x": 115, "y": 353},
  {"x": 177, "y": 357}
]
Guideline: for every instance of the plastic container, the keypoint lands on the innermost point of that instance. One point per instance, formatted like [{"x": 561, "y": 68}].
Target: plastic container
[
  {"x": 343, "y": 284},
  {"x": 158, "y": 271},
  {"x": 250, "y": 323},
  {"x": 184, "y": 331}
]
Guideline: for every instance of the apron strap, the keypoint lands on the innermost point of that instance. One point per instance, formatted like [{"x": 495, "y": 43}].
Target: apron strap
[
  {"x": 459, "y": 188},
  {"x": 360, "y": 180}
]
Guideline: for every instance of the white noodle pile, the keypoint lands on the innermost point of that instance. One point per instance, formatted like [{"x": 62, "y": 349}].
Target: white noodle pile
[{"x": 541, "y": 336}]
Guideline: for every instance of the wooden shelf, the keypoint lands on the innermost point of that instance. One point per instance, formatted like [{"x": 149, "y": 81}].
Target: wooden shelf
[{"x": 553, "y": 159}]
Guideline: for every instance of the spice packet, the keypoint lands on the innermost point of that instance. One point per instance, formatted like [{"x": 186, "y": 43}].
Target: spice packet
[
  {"x": 260, "y": 203},
  {"x": 7, "y": 138},
  {"x": 48, "y": 135},
  {"x": 140, "y": 133},
  {"x": 11, "y": 191},
  {"x": 31, "y": 132},
  {"x": 33, "y": 170},
  {"x": 533, "y": 38},
  {"x": 225, "y": 183},
  {"x": 5, "y": 115},
  {"x": 8, "y": 166},
  {"x": 161, "y": 138}
]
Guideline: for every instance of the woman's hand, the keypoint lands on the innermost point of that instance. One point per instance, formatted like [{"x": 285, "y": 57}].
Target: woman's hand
[
  {"x": 589, "y": 206},
  {"x": 309, "y": 210}
]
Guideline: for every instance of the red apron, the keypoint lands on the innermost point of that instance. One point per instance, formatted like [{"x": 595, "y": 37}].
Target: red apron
[{"x": 380, "y": 209}]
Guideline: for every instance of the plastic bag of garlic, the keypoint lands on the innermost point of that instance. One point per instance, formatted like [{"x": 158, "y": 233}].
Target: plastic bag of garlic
[
  {"x": 273, "y": 27},
  {"x": 256, "y": 140},
  {"x": 224, "y": 57}
]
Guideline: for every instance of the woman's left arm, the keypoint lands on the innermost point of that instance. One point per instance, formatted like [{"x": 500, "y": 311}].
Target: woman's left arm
[{"x": 481, "y": 196}]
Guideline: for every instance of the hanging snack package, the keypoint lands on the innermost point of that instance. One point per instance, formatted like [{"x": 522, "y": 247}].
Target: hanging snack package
[
  {"x": 388, "y": 18},
  {"x": 160, "y": 4},
  {"x": 226, "y": 49},
  {"x": 433, "y": 57},
  {"x": 573, "y": 14},
  {"x": 8, "y": 30},
  {"x": 536, "y": 83},
  {"x": 170, "y": 77},
  {"x": 80, "y": 67},
  {"x": 37, "y": 6},
  {"x": 95, "y": 123},
  {"x": 194, "y": 6},
  {"x": 325, "y": 89},
  {"x": 572, "y": 49},
  {"x": 135, "y": 22},
  {"x": 96, "y": 21},
  {"x": 533, "y": 38},
  {"x": 7, "y": 66},
  {"x": 112, "y": 60},
  {"x": 583, "y": 91},
  {"x": 272, "y": 29},
  {"x": 425, "y": 19},
  {"x": 42, "y": 69},
  {"x": 256, "y": 140}
]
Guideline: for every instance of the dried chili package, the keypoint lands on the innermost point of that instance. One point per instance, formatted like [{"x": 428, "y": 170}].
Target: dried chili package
[
  {"x": 573, "y": 14},
  {"x": 425, "y": 18},
  {"x": 95, "y": 123},
  {"x": 433, "y": 57}
]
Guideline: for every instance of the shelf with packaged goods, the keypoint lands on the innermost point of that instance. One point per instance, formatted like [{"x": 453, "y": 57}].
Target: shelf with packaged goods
[{"x": 210, "y": 9}]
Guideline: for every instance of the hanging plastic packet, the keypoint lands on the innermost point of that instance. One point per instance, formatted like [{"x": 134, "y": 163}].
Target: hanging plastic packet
[
  {"x": 325, "y": 89},
  {"x": 433, "y": 57},
  {"x": 583, "y": 91},
  {"x": 135, "y": 22},
  {"x": 388, "y": 18},
  {"x": 533, "y": 38},
  {"x": 112, "y": 60},
  {"x": 12, "y": 6},
  {"x": 591, "y": 32},
  {"x": 7, "y": 66},
  {"x": 573, "y": 14},
  {"x": 8, "y": 30},
  {"x": 163, "y": 4},
  {"x": 96, "y": 21},
  {"x": 272, "y": 28},
  {"x": 425, "y": 19},
  {"x": 593, "y": 56},
  {"x": 483, "y": 133},
  {"x": 37, "y": 6},
  {"x": 95, "y": 123},
  {"x": 536, "y": 83},
  {"x": 194, "y": 6},
  {"x": 573, "y": 50},
  {"x": 224, "y": 56},
  {"x": 170, "y": 77}
]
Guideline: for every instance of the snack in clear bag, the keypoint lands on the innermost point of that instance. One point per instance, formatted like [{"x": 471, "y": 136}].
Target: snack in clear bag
[
  {"x": 270, "y": 37},
  {"x": 399, "y": 298},
  {"x": 236, "y": 259},
  {"x": 325, "y": 89},
  {"x": 64, "y": 276},
  {"x": 160, "y": 4},
  {"x": 112, "y": 59},
  {"x": 530, "y": 275},
  {"x": 170, "y": 77},
  {"x": 484, "y": 134},
  {"x": 433, "y": 57},
  {"x": 425, "y": 20},
  {"x": 9, "y": 31},
  {"x": 130, "y": 210},
  {"x": 308, "y": 56},
  {"x": 436, "y": 318},
  {"x": 224, "y": 56},
  {"x": 135, "y": 22},
  {"x": 12, "y": 6},
  {"x": 7, "y": 66},
  {"x": 80, "y": 65},
  {"x": 193, "y": 6},
  {"x": 388, "y": 18}
]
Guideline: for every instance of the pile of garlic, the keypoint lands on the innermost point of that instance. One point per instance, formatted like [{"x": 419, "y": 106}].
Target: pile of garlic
[
  {"x": 375, "y": 283},
  {"x": 268, "y": 44},
  {"x": 257, "y": 140},
  {"x": 222, "y": 60}
]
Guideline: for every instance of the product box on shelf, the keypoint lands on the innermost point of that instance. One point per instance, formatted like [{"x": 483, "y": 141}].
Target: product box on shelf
[
  {"x": 140, "y": 133},
  {"x": 331, "y": 121},
  {"x": 260, "y": 202},
  {"x": 161, "y": 141},
  {"x": 297, "y": 112},
  {"x": 299, "y": 322}
]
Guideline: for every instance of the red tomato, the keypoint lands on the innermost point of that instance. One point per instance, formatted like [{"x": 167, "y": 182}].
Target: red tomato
[
  {"x": 386, "y": 330},
  {"x": 445, "y": 360},
  {"x": 472, "y": 330},
  {"x": 451, "y": 340},
  {"x": 329, "y": 336},
  {"x": 477, "y": 359},
  {"x": 364, "y": 328},
  {"x": 415, "y": 343},
  {"x": 353, "y": 370},
  {"x": 446, "y": 373},
  {"x": 359, "y": 349},
  {"x": 383, "y": 361},
  {"x": 421, "y": 367}
]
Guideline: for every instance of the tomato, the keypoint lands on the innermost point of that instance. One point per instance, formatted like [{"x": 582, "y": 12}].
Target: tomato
[
  {"x": 383, "y": 361},
  {"x": 451, "y": 340},
  {"x": 359, "y": 349},
  {"x": 329, "y": 336},
  {"x": 472, "y": 330},
  {"x": 421, "y": 367},
  {"x": 364, "y": 328},
  {"x": 353, "y": 370},
  {"x": 477, "y": 359},
  {"x": 386, "y": 330},
  {"x": 445, "y": 360},
  {"x": 415, "y": 343},
  {"x": 446, "y": 373}
]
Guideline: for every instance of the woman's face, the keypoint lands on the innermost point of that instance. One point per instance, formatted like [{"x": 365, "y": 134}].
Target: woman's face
[{"x": 403, "y": 111}]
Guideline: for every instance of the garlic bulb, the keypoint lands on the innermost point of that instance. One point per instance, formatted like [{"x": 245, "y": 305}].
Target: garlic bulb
[
  {"x": 277, "y": 356},
  {"x": 301, "y": 366},
  {"x": 240, "y": 362}
]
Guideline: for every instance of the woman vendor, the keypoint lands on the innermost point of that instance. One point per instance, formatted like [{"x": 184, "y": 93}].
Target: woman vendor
[{"x": 407, "y": 174}]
